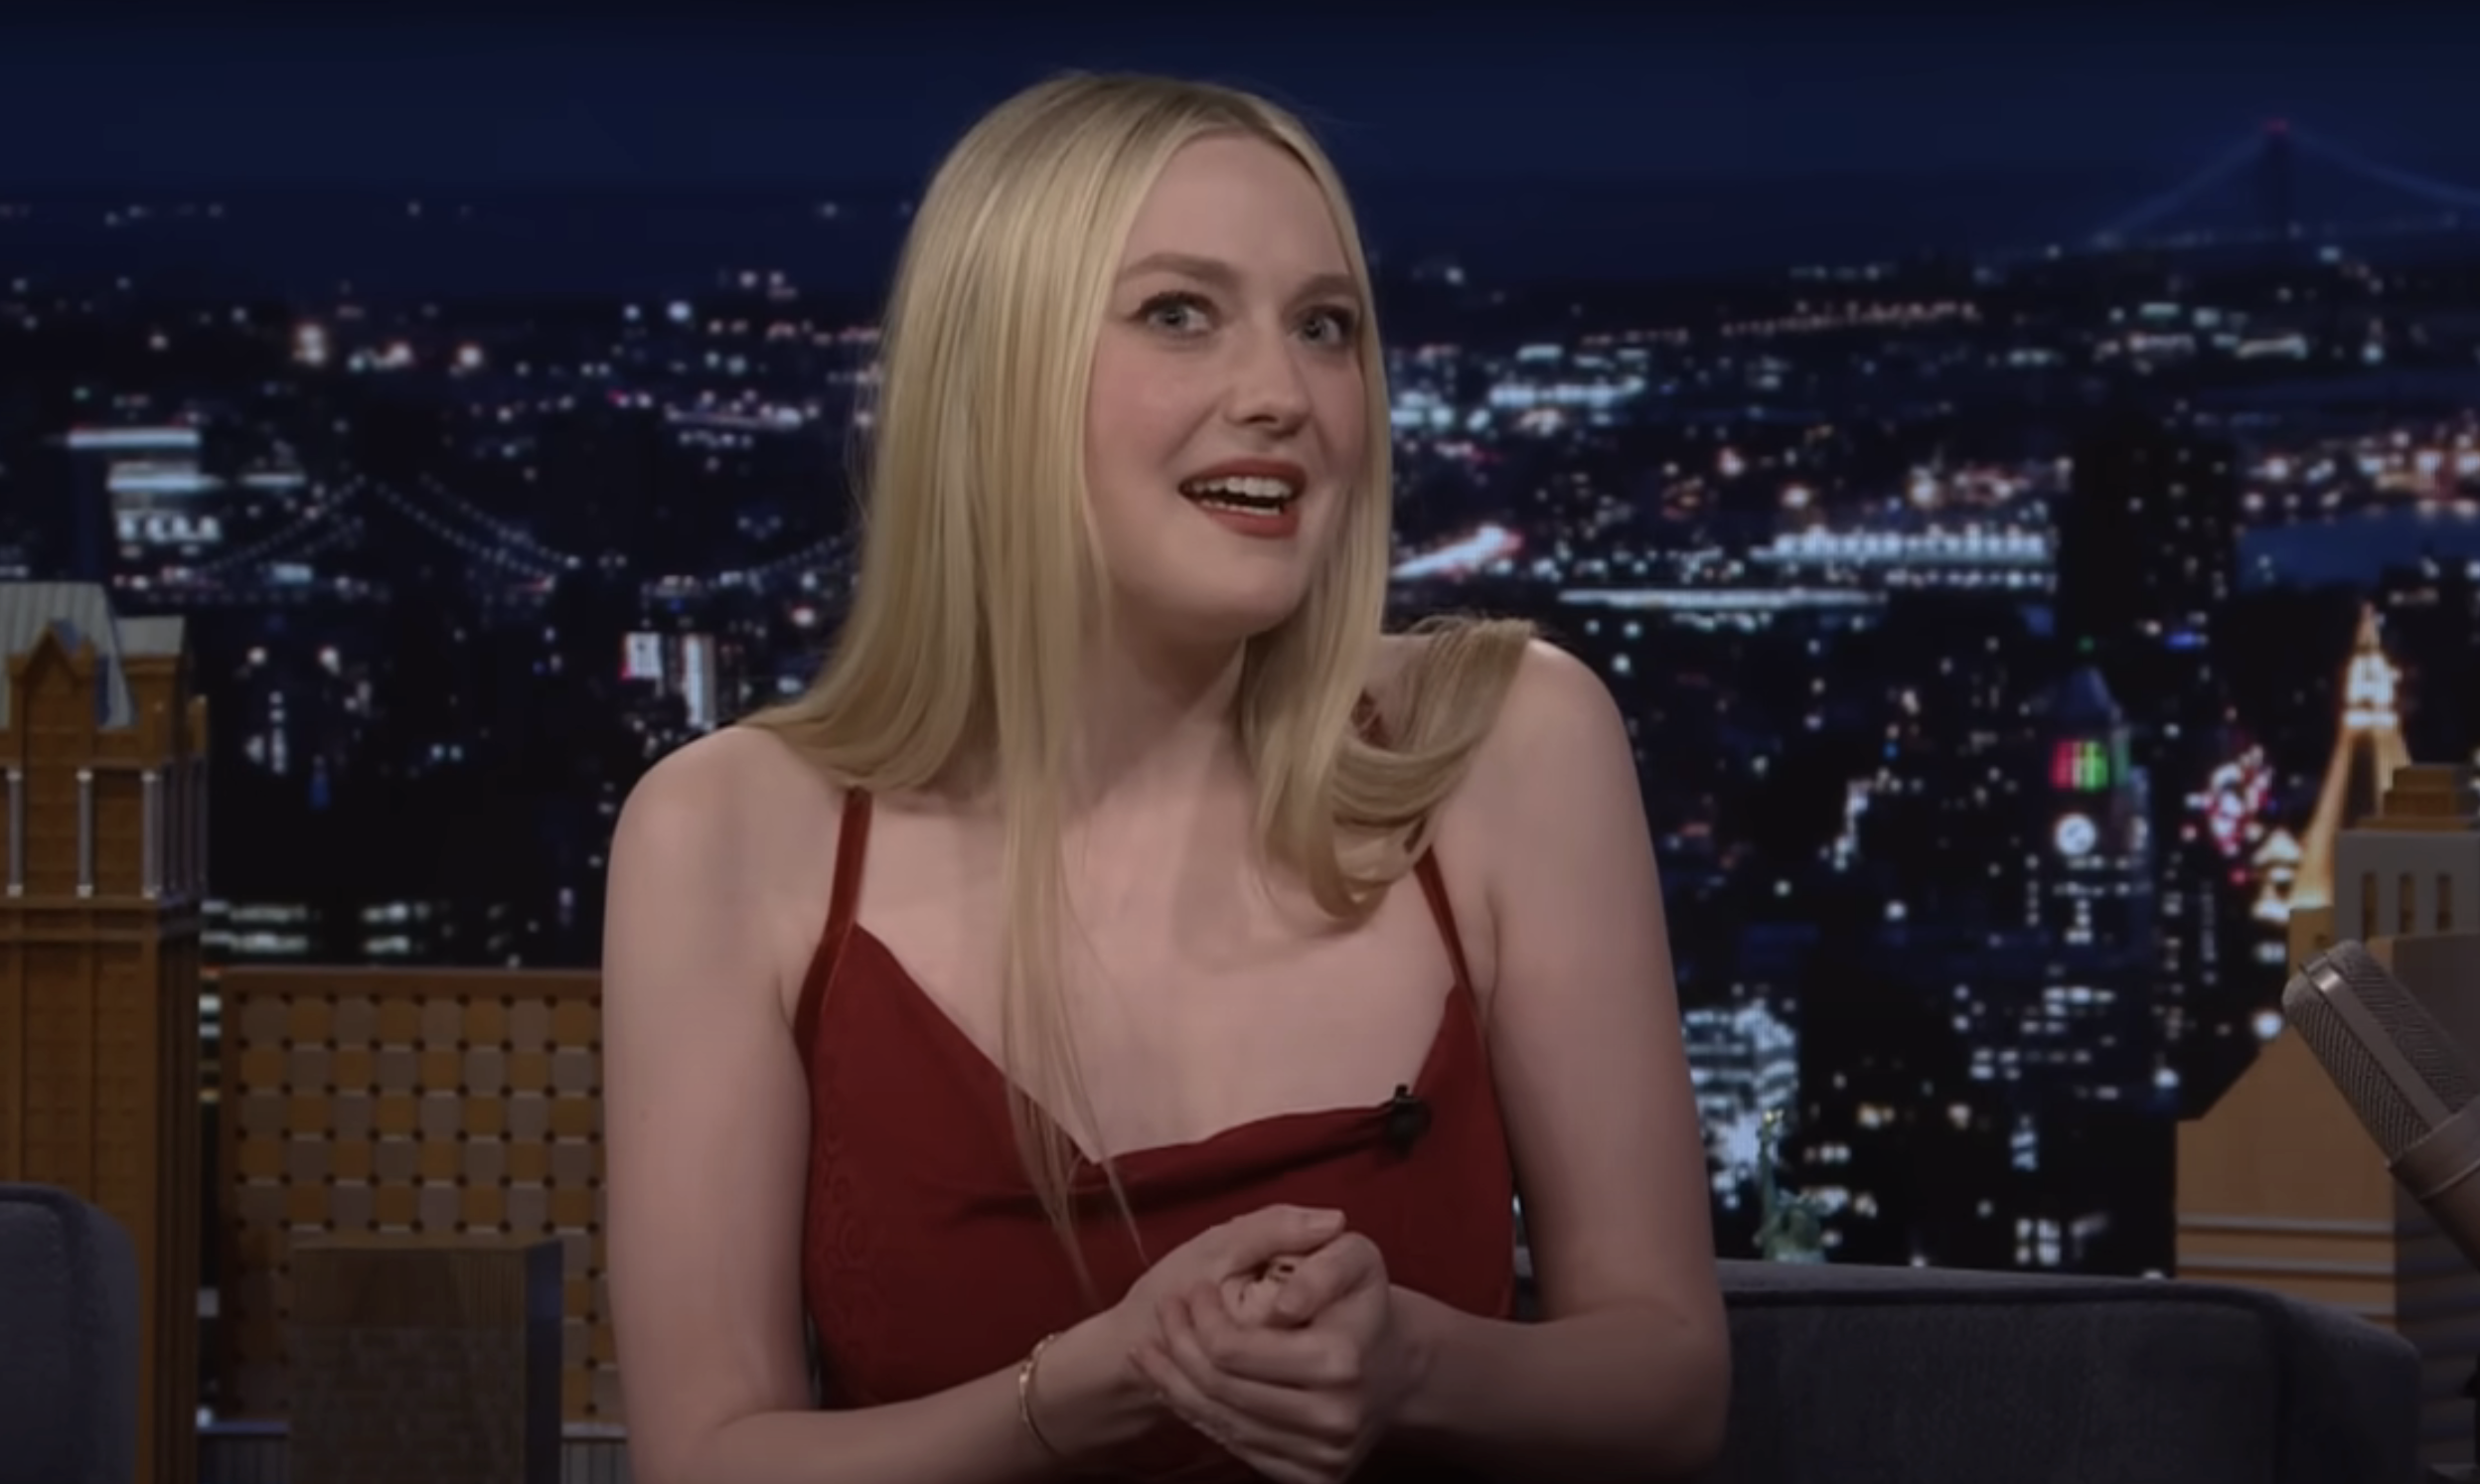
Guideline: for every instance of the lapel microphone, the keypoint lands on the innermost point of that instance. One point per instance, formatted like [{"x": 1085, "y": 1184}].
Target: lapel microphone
[{"x": 1407, "y": 1119}]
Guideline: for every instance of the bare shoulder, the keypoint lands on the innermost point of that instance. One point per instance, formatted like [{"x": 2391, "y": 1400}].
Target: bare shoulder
[
  {"x": 1520, "y": 712},
  {"x": 1537, "y": 742},
  {"x": 738, "y": 801},
  {"x": 724, "y": 784},
  {"x": 1555, "y": 701},
  {"x": 1558, "y": 748},
  {"x": 731, "y": 836},
  {"x": 1553, "y": 707}
]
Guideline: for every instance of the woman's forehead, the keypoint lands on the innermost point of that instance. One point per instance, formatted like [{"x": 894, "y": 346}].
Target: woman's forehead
[{"x": 1231, "y": 208}]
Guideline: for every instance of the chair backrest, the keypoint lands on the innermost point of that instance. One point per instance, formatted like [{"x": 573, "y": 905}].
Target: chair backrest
[{"x": 69, "y": 1341}]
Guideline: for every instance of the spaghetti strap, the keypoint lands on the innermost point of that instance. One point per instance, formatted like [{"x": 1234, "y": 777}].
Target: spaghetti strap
[
  {"x": 843, "y": 900},
  {"x": 1433, "y": 887},
  {"x": 1372, "y": 726}
]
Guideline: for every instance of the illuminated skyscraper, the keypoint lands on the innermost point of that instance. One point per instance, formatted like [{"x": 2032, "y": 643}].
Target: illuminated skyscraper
[
  {"x": 2147, "y": 544},
  {"x": 2094, "y": 888},
  {"x": 139, "y": 488},
  {"x": 2368, "y": 748},
  {"x": 2067, "y": 1029}
]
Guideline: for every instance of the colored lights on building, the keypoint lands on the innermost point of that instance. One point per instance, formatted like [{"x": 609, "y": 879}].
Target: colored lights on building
[{"x": 2083, "y": 767}]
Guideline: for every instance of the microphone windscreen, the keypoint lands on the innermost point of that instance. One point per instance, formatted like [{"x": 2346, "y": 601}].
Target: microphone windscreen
[{"x": 2395, "y": 1115}]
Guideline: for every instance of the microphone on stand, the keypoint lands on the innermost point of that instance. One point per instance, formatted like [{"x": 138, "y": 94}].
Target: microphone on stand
[
  {"x": 2406, "y": 1082},
  {"x": 2403, "y": 1077}
]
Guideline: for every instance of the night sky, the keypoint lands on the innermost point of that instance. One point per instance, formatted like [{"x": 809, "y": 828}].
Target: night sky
[{"x": 732, "y": 93}]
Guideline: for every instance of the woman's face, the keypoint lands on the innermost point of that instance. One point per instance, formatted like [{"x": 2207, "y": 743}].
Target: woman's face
[{"x": 1226, "y": 425}]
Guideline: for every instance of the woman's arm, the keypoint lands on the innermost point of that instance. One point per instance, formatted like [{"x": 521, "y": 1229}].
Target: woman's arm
[
  {"x": 706, "y": 1128},
  {"x": 1627, "y": 1375}
]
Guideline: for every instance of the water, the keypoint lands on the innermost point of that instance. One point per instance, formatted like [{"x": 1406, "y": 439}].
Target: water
[{"x": 2354, "y": 550}]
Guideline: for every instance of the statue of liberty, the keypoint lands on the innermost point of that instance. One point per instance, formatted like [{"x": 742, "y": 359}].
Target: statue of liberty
[{"x": 1793, "y": 1228}]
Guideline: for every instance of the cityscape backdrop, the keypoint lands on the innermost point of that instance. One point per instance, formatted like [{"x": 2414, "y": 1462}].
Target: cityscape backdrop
[{"x": 2014, "y": 572}]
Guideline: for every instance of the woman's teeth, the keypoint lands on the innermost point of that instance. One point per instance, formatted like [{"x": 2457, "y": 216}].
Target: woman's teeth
[{"x": 1250, "y": 495}]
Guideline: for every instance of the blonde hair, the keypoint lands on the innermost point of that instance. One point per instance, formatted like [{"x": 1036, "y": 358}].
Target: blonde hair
[{"x": 955, "y": 668}]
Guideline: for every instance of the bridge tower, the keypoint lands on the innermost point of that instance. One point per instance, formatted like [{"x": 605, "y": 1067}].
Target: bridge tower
[{"x": 2277, "y": 180}]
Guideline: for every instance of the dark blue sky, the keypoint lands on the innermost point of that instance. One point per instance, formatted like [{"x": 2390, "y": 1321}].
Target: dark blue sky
[{"x": 728, "y": 92}]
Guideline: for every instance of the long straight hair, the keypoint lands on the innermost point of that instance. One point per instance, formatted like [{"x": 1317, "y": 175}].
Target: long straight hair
[{"x": 955, "y": 669}]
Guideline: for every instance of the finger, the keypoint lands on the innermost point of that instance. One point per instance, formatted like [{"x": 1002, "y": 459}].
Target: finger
[
  {"x": 1293, "y": 1359},
  {"x": 1328, "y": 1275},
  {"x": 1250, "y": 1242},
  {"x": 1313, "y": 1427},
  {"x": 1247, "y": 1300},
  {"x": 1238, "y": 1437}
]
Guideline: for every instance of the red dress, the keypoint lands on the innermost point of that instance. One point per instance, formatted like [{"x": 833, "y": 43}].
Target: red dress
[{"x": 926, "y": 1257}]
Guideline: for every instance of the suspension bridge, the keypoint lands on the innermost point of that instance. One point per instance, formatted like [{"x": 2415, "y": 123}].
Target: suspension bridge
[
  {"x": 342, "y": 518},
  {"x": 2269, "y": 161}
]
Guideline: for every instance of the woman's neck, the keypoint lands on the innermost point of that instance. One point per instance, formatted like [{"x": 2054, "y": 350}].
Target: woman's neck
[{"x": 1152, "y": 720}]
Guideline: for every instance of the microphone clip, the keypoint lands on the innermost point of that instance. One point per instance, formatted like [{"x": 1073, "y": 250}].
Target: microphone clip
[{"x": 1407, "y": 1119}]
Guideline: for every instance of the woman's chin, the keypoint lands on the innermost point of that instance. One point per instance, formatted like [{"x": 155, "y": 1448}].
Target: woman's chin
[{"x": 1225, "y": 619}]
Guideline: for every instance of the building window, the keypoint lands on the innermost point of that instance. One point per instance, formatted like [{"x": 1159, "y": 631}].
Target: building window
[
  {"x": 85, "y": 832},
  {"x": 151, "y": 833},
  {"x": 194, "y": 864},
  {"x": 17, "y": 832}
]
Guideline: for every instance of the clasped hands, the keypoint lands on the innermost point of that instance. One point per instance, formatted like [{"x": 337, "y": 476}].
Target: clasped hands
[{"x": 1274, "y": 1335}]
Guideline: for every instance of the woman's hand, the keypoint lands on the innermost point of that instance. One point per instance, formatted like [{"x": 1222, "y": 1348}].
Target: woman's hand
[
  {"x": 1305, "y": 1397},
  {"x": 1220, "y": 1259}
]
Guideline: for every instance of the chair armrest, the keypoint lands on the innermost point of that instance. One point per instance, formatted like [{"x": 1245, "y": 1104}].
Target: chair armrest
[
  {"x": 69, "y": 1341},
  {"x": 1848, "y": 1375}
]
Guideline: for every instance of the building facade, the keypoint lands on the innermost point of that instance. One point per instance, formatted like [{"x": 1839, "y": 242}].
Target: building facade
[{"x": 103, "y": 806}]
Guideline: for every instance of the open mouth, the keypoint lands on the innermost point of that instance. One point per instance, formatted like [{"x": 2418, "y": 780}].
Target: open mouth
[{"x": 1245, "y": 495}]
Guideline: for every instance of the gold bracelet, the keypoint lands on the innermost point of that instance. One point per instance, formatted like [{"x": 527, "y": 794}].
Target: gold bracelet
[{"x": 1025, "y": 1397}]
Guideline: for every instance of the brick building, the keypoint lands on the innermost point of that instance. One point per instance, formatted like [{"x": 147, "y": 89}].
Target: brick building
[{"x": 103, "y": 809}]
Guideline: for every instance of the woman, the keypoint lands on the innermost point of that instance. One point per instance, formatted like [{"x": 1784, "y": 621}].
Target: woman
[{"x": 1071, "y": 1131}]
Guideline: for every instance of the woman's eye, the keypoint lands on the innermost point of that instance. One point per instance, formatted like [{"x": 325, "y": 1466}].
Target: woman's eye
[
  {"x": 1332, "y": 326},
  {"x": 1179, "y": 313},
  {"x": 1186, "y": 314}
]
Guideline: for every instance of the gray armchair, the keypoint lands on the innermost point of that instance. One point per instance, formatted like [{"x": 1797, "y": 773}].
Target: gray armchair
[
  {"x": 1928, "y": 1376},
  {"x": 69, "y": 1341}
]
